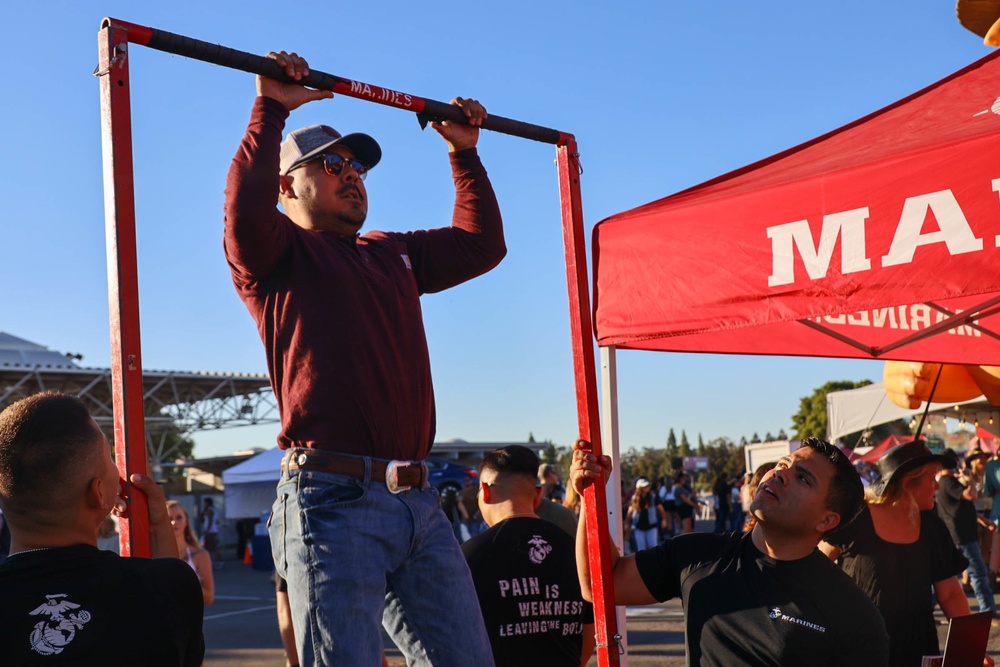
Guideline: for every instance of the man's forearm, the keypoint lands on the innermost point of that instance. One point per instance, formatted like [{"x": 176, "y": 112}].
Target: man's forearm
[
  {"x": 161, "y": 542},
  {"x": 583, "y": 557}
]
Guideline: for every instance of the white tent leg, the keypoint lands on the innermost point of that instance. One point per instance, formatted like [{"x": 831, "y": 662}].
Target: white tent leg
[{"x": 609, "y": 438}]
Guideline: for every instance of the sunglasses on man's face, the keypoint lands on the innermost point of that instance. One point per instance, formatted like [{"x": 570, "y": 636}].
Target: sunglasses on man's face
[{"x": 334, "y": 164}]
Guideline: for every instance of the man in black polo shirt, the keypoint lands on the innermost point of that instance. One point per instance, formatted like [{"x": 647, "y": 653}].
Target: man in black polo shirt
[{"x": 766, "y": 597}]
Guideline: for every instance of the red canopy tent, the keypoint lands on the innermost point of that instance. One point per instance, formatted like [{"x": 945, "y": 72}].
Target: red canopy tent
[
  {"x": 876, "y": 452},
  {"x": 866, "y": 242},
  {"x": 984, "y": 440},
  {"x": 877, "y": 240}
]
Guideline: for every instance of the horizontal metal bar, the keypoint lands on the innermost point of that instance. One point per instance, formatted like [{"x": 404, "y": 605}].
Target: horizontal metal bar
[{"x": 427, "y": 109}]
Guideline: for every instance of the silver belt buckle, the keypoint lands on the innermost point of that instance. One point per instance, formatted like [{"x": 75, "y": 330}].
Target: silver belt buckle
[{"x": 392, "y": 476}]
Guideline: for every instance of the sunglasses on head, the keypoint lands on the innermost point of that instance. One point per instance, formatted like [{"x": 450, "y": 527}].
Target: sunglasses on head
[{"x": 334, "y": 164}]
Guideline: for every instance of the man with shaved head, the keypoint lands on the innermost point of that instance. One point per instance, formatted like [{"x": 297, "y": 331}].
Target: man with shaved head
[
  {"x": 524, "y": 570},
  {"x": 64, "y": 601}
]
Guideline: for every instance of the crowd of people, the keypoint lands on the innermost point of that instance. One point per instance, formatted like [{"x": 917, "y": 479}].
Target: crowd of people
[
  {"x": 356, "y": 530},
  {"x": 656, "y": 510}
]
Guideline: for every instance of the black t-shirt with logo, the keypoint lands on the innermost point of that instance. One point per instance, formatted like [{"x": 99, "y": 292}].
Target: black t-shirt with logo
[
  {"x": 81, "y": 606},
  {"x": 524, "y": 569},
  {"x": 745, "y": 608}
]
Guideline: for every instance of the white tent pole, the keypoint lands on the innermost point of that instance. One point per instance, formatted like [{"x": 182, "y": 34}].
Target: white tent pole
[{"x": 609, "y": 438}]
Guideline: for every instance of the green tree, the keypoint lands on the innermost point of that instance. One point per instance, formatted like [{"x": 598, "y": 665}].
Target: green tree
[
  {"x": 754, "y": 439},
  {"x": 671, "y": 452},
  {"x": 782, "y": 435},
  {"x": 550, "y": 454},
  {"x": 531, "y": 436},
  {"x": 564, "y": 458},
  {"x": 725, "y": 457},
  {"x": 685, "y": 447}
]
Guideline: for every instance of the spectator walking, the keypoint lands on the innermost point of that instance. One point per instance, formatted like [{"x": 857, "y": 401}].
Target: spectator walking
[
  {"x": 957, "y": 511},
  {"x": 210, "y": 531},
  {"x": 686, "y": 502},
  {"x": 737, "y": 514},
  {"x": 666, "y": 494},
  {"x": 722, "y": 502},
  {"x": 645, "y": 515}
]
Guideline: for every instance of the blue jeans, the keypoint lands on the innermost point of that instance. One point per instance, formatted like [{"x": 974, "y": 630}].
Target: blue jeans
[
  {"x": 354, "y": 554},
  {"x": 979, "y": 576},
  {"x": 644, "y": 539},
  {"x": 721, "y": 519}
]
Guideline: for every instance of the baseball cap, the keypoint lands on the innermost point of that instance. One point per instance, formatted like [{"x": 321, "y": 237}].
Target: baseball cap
[
  {"x": 641, "y": 483},
  {"x": 306, "y": 143}
]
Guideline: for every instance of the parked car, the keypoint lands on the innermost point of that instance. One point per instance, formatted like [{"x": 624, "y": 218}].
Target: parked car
[{"x": 444, "y": 474}]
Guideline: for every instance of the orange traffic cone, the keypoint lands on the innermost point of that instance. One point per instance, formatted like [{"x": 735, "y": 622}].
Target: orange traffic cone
[{"x": 248, "y": 556}]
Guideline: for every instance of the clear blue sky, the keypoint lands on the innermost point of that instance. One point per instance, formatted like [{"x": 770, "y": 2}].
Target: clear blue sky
[{"x": 661, "y": 96}]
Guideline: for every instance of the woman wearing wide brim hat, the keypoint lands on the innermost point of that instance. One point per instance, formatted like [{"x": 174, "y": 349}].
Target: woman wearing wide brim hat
[{"x": 898, "y": 550}]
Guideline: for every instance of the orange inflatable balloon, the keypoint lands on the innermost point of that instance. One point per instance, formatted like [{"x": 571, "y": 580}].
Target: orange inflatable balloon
[
  {"x": 908, "y": 383},
  {"x": 988, "y": 379}
]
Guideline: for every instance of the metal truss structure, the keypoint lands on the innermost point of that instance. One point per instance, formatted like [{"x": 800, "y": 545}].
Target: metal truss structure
[{"x": 175, "y": 403}]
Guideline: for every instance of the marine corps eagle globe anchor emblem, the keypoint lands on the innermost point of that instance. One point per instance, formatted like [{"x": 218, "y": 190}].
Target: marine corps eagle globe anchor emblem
[{"x": 51, "y": 635}]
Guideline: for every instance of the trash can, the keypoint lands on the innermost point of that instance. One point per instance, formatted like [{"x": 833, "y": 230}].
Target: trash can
[{"x": 261, "y": 548}]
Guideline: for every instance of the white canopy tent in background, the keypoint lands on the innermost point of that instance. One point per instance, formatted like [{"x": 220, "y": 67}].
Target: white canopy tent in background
[
  {"x": 854, "y": 410},
  {"x": 249, "y": 486}
]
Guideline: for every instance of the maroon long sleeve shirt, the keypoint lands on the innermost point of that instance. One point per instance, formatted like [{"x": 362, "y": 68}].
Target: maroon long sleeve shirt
[{"x": 340, "y": 318}]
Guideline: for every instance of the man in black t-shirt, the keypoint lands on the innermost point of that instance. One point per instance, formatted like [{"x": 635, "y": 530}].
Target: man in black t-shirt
[
  {"x": 525, "y": 572},
  {"x": 64, "y": 601},
  {"x": 957, "y": 511},
  {"x": 766, "y": 597}
]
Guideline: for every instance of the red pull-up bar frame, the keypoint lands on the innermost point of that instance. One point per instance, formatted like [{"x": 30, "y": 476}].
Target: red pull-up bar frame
[{"x": 123, "y": 290}]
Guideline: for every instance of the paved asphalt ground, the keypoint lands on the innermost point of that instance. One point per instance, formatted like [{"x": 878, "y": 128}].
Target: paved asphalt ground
[{"x": 241, "y": 629}]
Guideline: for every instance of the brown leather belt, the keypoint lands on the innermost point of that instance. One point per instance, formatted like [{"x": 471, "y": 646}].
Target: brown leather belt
[{"x": 396, "y": 475}]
